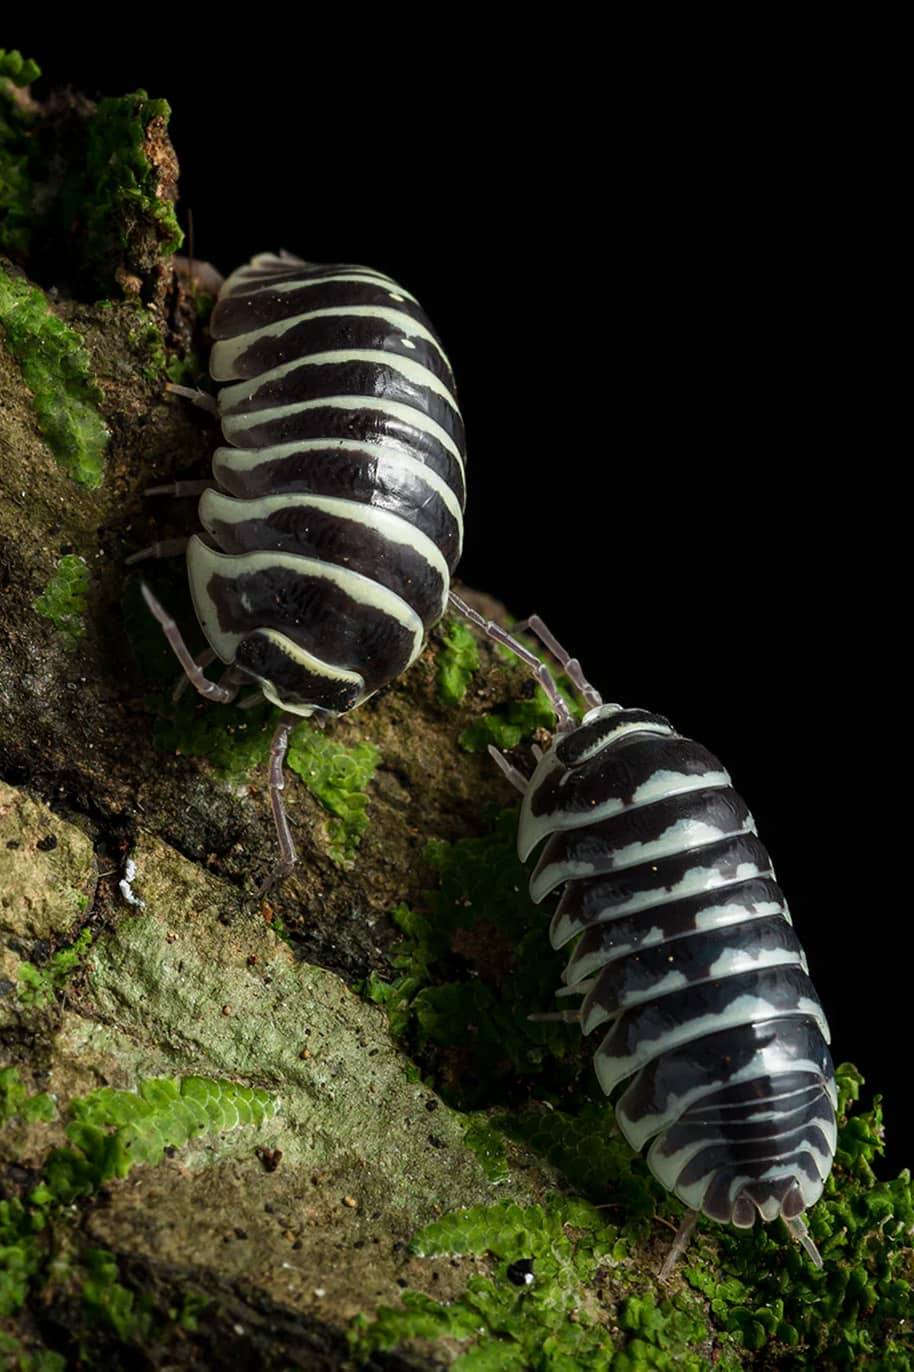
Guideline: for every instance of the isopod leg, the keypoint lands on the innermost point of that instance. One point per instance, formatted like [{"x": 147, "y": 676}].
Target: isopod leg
[
  {"x": 203, "y": 660},
  {"x": 288, "y": 855},
  {"x": 569, "y": 665},
  {"x": 180, "y": 488},
  {"x": 166, "y": 547},
  {"x": 210, "y": 689},
  {"x": 516, "y": 778},
  {"x": 680, "y": 1243},
  {"x": 564, "y": 721},
  {"x": 195, "y": 396},
  {"x": 798, "y": 1230}
]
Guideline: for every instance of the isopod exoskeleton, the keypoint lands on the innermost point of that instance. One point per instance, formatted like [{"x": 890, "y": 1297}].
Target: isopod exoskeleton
[
  {"x": 714, "y": 1045},
  {"x": 334, "y": 517}
]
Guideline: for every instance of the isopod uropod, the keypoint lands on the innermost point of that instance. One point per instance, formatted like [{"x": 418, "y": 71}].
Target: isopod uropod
[
  {"x": 334, "y": 517},
  {"x": 715, "y": 1045}
]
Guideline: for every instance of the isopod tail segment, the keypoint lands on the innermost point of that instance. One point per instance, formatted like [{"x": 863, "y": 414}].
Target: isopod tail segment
[{"x": 684, "y": 950}]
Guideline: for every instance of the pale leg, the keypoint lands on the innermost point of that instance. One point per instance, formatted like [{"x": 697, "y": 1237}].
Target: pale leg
[
  {"x": 564, "y": 720},
  {"x": 288, "y": 855},
  {"x": 569, "y": 665},
  {"x": 680, "y": 1243},
  {"x": 166, "y": 547},
  {"x": 194, "y": 672}
]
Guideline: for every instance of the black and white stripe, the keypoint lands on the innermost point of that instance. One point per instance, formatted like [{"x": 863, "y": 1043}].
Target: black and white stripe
[
  {"x": 687, "y": 960},
  {"x": 338, "y": 521}
]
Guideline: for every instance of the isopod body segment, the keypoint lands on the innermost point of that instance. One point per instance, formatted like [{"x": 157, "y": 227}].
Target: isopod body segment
[
  {"x": 334, "y": 518},
  {"x": 714, "y": 1045}
]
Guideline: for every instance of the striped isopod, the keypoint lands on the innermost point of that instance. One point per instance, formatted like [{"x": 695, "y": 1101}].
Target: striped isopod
[
  {"x": 715, "y": 1045},
  {"x": 335, "y": 515}
]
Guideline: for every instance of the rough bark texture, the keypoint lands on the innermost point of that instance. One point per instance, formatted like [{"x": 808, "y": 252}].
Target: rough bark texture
[{"x": 269, "y": 1162}]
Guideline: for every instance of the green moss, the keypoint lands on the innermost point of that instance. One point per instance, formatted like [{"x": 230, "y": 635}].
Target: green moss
[
  {"x": 147, "y": 338},
  {"x": 22, "y": 71},
  {"x": 16, "y": 1101},
  {"x": 112, "y": 1305},
  {"x": 337, "y": 776},
  {"x": 856, "y": 1310},
  {"x": 510, "y": 724},
  {"x": 111, "y": 1131},
  {"x": 552, "y": 1323},
  {"x": 189, "y": 370},
  {"x": 482, "y": 1019},
  {"x": 15, "y": 153},
  {"x": 588, "y": 1148},
  {"x": 55, "y": 367},
  {"x": 120, "y": 184},
  {"x": 489, "y": 1147},
  {"x": 20, "y": 1253},
  {"x": 15, "y": 1358},
  {"x": 457, "y": 661},
  {"x": 234, "y": 741},
  {"x": 63, "y": 600},
  {"x": 39, "y": 985}
]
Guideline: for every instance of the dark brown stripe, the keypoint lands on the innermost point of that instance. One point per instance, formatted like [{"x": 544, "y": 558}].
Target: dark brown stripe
[
  {"x": 351, "y": 475},
  {"x": 339, "y": 331},
  {"x": 676, "y": 919},
  {"x": 618, "y": 773},
  {"x": 370, "y": 380},
  {"x": 342, "y": 542},
  {"x": 593, "y": 899},
  {"x": 356, "y": 426},
  {"x": 638, "y": 973},
  {"x": 316, "y": 614},
  {"x": 601, "y": 844},
  {"x": 292, "y": 682},
  {"x": 251, "y": 309},
  {"x": 572, "y": 748}
]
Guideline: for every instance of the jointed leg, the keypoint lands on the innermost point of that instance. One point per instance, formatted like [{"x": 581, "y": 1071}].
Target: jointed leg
[
  {"x": 166, "y": 547},
  {"x": 798, "y": 1230},
  {"x": 288, "y": 855},
  {"x": 202, "y": 660},
  {"x": 195, "y": 396},
  {"x": 564, "y": 720},
  {"x": 180, "y": 488},
  {"x": 569, "y": 665},
  {"x": 680, "y": 1243},
  {"x": 516, "y": 778},
  {"x": 210, "y": 689}
]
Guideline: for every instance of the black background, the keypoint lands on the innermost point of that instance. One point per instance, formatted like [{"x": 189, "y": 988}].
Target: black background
[{"x": 672, "y": 308}]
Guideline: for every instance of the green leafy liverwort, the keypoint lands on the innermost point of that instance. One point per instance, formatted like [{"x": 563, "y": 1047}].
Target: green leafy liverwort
[
  {"x": 536, "y": 1312},
  {"x": 120, "y": 181},
  {"x": 39, "y": 985},
  {"x": 337, "y": 776},
  {"x": 63, "y": 600},
  {"x": 753, "y": 1299},
  {"x": 55, "y": 367},
  {"x": 15, "y": 153},
  {"x": 483, "y": 1018},
  {"x": 109, "y": 1131},
  {"x": 457, "y": 661}
]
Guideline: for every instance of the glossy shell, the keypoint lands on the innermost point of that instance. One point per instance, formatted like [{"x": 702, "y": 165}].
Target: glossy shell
[
  {"x": 714, "y": 1039},
  {"x": 337, "y": 517}
]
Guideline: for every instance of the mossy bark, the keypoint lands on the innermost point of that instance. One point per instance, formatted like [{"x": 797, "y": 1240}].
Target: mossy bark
[{"x": 131, "y": 874}]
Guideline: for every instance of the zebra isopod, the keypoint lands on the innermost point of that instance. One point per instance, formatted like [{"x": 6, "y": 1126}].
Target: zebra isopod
[
  {"x": 714, "y": 1045},
  {"x": 334, "y": 517}
]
